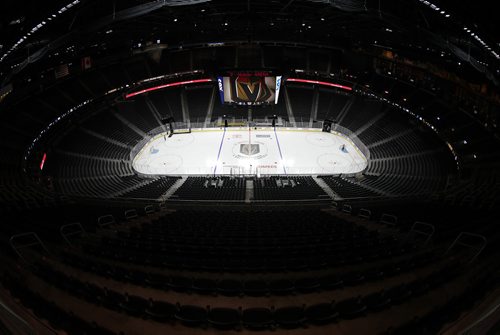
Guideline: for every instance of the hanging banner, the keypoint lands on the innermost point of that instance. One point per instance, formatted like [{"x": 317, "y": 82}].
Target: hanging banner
[{"x": 277, "y": 92}]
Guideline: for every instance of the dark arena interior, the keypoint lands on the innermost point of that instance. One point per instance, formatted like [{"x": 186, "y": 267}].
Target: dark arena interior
[{"x": 252, "y": 167}]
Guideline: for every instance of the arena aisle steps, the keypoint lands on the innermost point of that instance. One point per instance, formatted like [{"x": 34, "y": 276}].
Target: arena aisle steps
[{"x": 173, "y": 188}]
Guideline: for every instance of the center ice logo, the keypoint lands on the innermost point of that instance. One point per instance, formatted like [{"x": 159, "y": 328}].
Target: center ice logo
[{"x": 249, "y": 149}]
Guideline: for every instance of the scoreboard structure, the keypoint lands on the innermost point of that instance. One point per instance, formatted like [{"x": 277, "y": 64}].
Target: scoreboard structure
[{"x": 249, "y": 88}]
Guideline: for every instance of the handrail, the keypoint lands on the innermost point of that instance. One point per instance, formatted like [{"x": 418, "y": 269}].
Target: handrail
[
  {"x": 419, "y": 227},
  {"x": 17, "y": 247},
  {"x": 346, "y": 208},
  {"x": 20, "y": 325},
  {"x": 149, "y": 209},
  {"x": 389, "y": 219},
  {"x": 459, "y": 241},
  {"x": 365, "y": 213},
  {"x": 106, "y": 220},
  {"x": 65, "y": 235},
  {"x": 473, "y": 328},
  {"x": 130, "y": 214}
]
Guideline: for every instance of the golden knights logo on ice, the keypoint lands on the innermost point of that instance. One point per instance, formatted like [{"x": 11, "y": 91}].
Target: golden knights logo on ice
[
  {"x": 249, "y": 149},
  {"x": 251, "y": 89}
]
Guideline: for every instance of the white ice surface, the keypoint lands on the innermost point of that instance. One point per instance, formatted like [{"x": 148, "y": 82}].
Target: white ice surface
[{"x": 219, "y": 152}]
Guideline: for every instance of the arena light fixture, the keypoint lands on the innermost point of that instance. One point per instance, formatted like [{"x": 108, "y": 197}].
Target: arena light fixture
[
  {"x": 474, "y": 35},
  {"x": 159, "y": 87},
  {"x": 42, "y": 163},
  {"x": 317, "y": 82},
  {"x": 38, "y": 27}
]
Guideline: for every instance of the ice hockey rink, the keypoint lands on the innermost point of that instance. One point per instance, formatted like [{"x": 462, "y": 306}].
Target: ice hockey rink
[{"x": 250, "y": 151}]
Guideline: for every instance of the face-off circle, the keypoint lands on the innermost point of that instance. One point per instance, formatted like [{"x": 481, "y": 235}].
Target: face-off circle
[
  {"x": 320, "y": 140},
  {"x": 179, "y": 141},
  {"x": 161, "y": 164},
  {"x": 332, "y": 162}
]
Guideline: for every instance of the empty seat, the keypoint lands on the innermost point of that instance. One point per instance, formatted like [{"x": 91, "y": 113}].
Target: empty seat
[
  {"x": 374, "y": 274},
  {"x": 180, "y": 283},
  {"x": 257, "y": 318},
  {"x": 419, "y": 287},
  {"x": 307, "y": 284},
  {"x": 399, "y": 294},
  {"x": 93, "y": 293},
  {"x": 354, "y": 278},
  {"x": 290, "y": 316},
  {"x": 320, "y": 313},
  {"x": 161, "y": 310},
  {"x": 281, "y": 286},
  {"x": 225, "y": 318},
  {"x": 376, "y": 301},
  {"x": 331, "y": 282},
  {"x": 136, "y": 277},
  {"x": 204, "y": 285},
  {"x": 134, "y": 305},
  {"x": 351, "y": 308},
  {"x": 191, "y": 315},
  {"x": 229, "y": 287},
  {"x": 156, "y": 280},
  {"x": 255, "y": 287},
  {"x": 113, "y": 300}
]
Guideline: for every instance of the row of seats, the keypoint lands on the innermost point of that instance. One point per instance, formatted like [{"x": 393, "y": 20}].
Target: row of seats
[
  {"x": 191, "y": 259},
  {"x": 255, "y": 317},
  {"x": 153, "y": 190},
  {"x": 240, "y": 241},
  {"x": 287, "y": 188},
  {"x": 58, "y": 318},
  {"x": 284, "y": 285},
  {"x": 203, "y": 188},
  {"x": 346, "y": 188}
]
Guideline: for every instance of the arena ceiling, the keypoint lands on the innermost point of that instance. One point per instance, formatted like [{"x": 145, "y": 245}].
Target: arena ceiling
[{"x": 444, "y": 31}]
